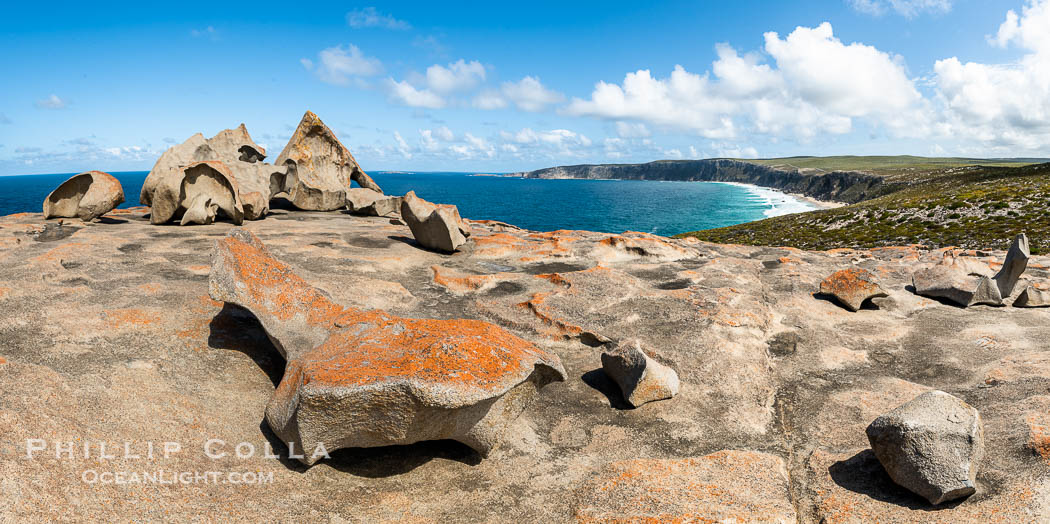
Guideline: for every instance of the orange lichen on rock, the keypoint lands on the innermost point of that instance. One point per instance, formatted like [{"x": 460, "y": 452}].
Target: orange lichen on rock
[
  {"x": 727, "y": 486},
  {"x": 1038, "y": 422},
  {"x": 116, "y": 318},
  {"x": 458, "y": 282},
  {"x": 4, "y": 291},
  {"x": 450, "y": 353},
  {"x": 852, "y": 287}
]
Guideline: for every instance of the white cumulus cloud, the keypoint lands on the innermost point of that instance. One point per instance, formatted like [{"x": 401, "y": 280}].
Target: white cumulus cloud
[
  {"x": 1002, "y": 106},
  {"x": 405, "y": 93},
  {"x": 342, "y": 64},
  {"x": 815, "y": 84},
  {"x": 458, "y": 76}
]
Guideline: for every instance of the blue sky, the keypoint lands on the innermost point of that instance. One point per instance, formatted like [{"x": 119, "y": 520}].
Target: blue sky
[{"x": 490, "y": 87}]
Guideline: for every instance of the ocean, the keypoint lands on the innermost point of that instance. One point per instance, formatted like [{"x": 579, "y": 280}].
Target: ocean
[{"x": 614, "y": 206}]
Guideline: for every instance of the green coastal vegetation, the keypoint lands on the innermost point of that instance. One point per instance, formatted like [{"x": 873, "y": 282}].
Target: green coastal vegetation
[{"x": 935, "y": 202}]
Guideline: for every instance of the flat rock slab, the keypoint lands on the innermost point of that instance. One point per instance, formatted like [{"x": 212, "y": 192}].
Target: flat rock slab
[
  {"x": 109, "y": 333},
  {"x": 727, "y": 486}
]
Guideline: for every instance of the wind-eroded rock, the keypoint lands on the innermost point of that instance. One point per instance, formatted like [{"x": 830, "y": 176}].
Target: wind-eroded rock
[
  {"x": 959, "y": 280},
  {"x": 852, "y": 287},
  {"x": 366, "y": 378},
  {"x": 320, "y": 167},
  {"x": 197, "y": 192},
  {"x": 931, "y": 445},
  {"x": 968, "y": 283},
  {"x": 227, "y": 146},
  {"x": 362, "y": 201},
  {"x": 253, "y": 182},
  {"x": 434, "y": 226},
  {"x": 641, "y": 379},
  {"x": 1033, "y": 297},
  {"x": 86, "y": 196}
]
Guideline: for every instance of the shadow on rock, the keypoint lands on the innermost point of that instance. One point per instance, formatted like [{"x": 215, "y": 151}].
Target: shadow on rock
[
  {"x": 109, "y": 220},
  {"x": 601, "y": 382},
  {"x": 382, "y": 462},
  {"x": 389, "y": 461},
  {"x": 911, "y": 289},
  {"x": 862, "y": 473},
  {"x": 867, "y": 305},
  {"x": 236, "y": 329}
]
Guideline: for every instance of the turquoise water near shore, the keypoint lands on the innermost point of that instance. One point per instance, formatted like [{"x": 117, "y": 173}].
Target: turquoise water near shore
[{"x": 663, "y": 208}]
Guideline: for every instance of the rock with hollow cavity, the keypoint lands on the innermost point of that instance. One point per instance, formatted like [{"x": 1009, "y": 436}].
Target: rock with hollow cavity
[
  {"x": 1014, "y": 265},
  {"x": 852, "y": 287},
  {"x": 257, "y": 184},
  {"x": 435, "y": 226},
  {"x": 227, "y": 146},
  {"x": 366, "y": 378},
  {"x": 641, "y": 379},
  {"x": 361, "y": 201},
  {"x": 931, "y": 445},
  {"x": 195, "y": 194},
  {"x": 959, "y": 281},
  {"x": 1033, "y": 297},
  {"x": 86, "y": 196},
  {"x": 320, "y": 168}
]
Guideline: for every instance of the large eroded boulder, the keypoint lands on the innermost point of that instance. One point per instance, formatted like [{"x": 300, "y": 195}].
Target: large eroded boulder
[
  {"x": 437, "y": 227},
  {"x": 195, "y": 194},
  {"x": 255, "y": 182},
  {"x": 320, "y": 168},
  {"x": 959, "y": 280},
  {"x": 86, "y": 196},
  {"x": 366, "y": 202},
  {"x": 931, "y": 445},
  {"x": 641, "y": 378},
  {"x": 852, "y": 287},
  {"x": 227, "y": 146},
  {"x": 366, "y": 378},
  {"x": 1033, "y": 296}
]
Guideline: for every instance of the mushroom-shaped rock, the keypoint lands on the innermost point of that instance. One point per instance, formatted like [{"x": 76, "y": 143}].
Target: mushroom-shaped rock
[
  {"x": 320, "y": 168},
  {"x": 196, "y": 193},
  {"x": 434, "y": 226},
  {"x": 641, "y": 378},
  {"x": 366, "y": 378},
  {"x": 1014, "y": 265},
  {"x": 86, "y": 196},
  {"x": 361, "y": 201},
  {"x": 852, "y": 287},
  {"x": 931, "y": 445},
  {"x": 963, "y": 282},
  {"x": 1033, "y": 297}
]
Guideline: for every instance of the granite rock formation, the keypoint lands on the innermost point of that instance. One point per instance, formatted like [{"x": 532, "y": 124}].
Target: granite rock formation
[
  {"x": 320, "y": 168},
  {"x": 1033, "y": 296},
  {"x": 434, "y": 226},
  {"x": 366, "y": 378},
  {"x": 931, "y": 445},
  {"x": 195, "y": 194},
  {"x": 239, "y": 161},
  {"x": 852, "y": 287},
  {"x": 109, "y": 334},
  {"x": 86, "y": 196},
  {"x": 641, "y": 378},
  {"x": 366, "y": 202}
]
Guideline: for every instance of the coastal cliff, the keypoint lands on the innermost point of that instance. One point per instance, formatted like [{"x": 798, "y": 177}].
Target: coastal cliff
[{"x": 841, "y": 186}]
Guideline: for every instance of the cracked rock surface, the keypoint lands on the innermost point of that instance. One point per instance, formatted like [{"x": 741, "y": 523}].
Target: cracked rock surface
[{"x": 109, "y": 334}]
